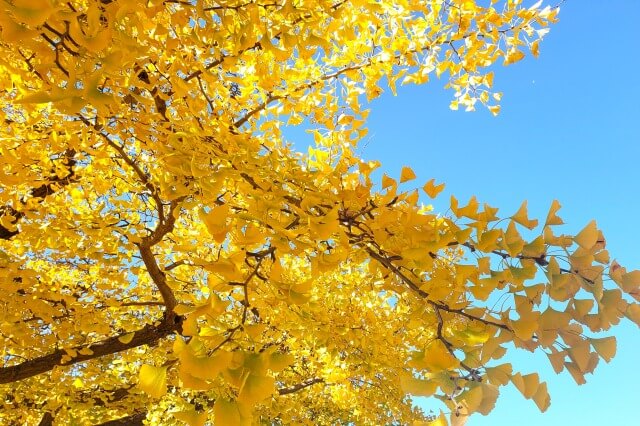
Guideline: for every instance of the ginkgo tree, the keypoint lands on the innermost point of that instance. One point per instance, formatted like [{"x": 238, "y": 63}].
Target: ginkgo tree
[{"x": 168, "y": 257}]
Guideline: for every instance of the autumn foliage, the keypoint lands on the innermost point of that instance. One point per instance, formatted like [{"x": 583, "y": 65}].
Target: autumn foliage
[{"x": 166, "y": 254}]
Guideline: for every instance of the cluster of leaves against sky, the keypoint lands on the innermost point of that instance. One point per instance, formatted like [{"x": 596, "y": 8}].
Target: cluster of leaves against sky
[{"x": 167, "y": 257}]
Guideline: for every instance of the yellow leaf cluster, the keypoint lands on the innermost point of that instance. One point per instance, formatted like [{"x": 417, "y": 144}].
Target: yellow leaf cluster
[{"x": 167, "y": 253}]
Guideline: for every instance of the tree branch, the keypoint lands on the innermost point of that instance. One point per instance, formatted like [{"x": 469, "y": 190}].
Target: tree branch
[
  {"x": 54, "y": 182},
  {"x": 159, "y": 278},
  {"x": 149, "y": 335},
  {"x": 300, "y": 386},
  {"x": 47, "y": 419}
]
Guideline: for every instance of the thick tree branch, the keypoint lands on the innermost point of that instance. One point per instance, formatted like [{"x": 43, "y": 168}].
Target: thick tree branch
[
  {"x": 149, "y": 335},
  {"x": 157, "y": 275},
  {"x": 159, "y": 278},
  {"x": 165, "y": 224},
  {"x": 47, "y": 419}
]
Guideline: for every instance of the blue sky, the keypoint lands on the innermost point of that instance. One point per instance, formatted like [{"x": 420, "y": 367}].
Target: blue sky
[{"x": 569, "y": 130}]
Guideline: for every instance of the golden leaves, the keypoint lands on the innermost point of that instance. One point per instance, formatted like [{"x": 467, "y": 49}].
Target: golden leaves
[
  {"x": 323, "y": 227},
  {"x": 434, "y": 358},
  {"x": 521, "y": 217},
  {"x": 480, "y": 398},
  {"x": 388, "y": 182},
  {"x": 531, "y": 388},
  {"x": 633, "y": 313},
  {"x": 227, "y": 412},
  {"x": 126, "y": 338},
  {"x": 255, "y": 388},
  {"x": 216, "y": 220},
  {"x": 588, "y": 237},
  {"x": 153, "y": 380},
  {"x": 407, "y": 174},
  {"x": 605, "y": 347},
  {"x": 31, "y": 12},
  {"x": 292, "y": 273},
  {"x": 191, "y": 417},
  {"x": 499, "y": 375},
  {"x": 431, "y": 189},
  {"x": 204, "y": 367},
  {"x": 418, "y": 387},
  {"x": 513, "y": 55}
]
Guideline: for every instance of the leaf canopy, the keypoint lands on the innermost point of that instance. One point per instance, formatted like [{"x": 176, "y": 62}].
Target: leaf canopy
[{"x": 166, "y": 254}]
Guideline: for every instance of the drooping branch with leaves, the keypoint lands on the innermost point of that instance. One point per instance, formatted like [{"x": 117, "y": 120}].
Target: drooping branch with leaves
[{"x": 167, "y": 256}]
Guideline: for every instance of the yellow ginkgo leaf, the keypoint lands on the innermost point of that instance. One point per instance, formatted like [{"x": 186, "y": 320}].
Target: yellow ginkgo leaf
[
  {"x": 535, "y": 51},
  {"x": 575, "y": 372},
  {"x": 489, "y": 240},
  {"x": 189, "y": 382},
  {"x": 37, "y": 98},
  {"x": 513, "y": 55},
  {"x": 225, "y": 268},
  {"x": 527, "y": 384},
  {"x": 512, "y": 242},
  {"x": 126, "y": 338},
  {"x": 179, "y": 345},
  {"x": 489, "y": 397},
  {"x": 470, "y": 210},
  {"x": 191, "y": 417},
  {"x": 325, "y": 226},
  {"x": 499, "y": 375},
  {"x": 407, "y": 174},
  {"x": 557, "y": 360},
  {"x": 216, "y": 220},
  {"x": 605, "y": 347},
  {"x": 438, "y": 358},
  {"x": 153, "y": 380},
  {"x": 552, "y": 218},
  {"x": 495, "y": 109},
  {"x": 418, "y": 387},
  {"x": 582, "y": 306},
  {"x": 32, "y": 12},
  {"x": 541, "y": 397},
  {"x": 13, "y": 31},
  {"x": 387, "y": 182},
  {"x": 535, "y": 248},
  {"x": 588, "y": 237},
  {"x": 472, "y": 398},
  {"x": 205, "y": 367},
  {"x": 278, "y": 361},
  {"x": 522, "y": 217},
  {"x": 553, "y": 320},
  {"x": 580, "y": 353},
  {"x": 256, "y": 388},
  {"x": 630, "y": 282},
  {"x": 226, "y": 413},
  {"x": 431, "y": 189},
  {"x": 633, "y": 312},
  {"x": 440, "y": 421}
]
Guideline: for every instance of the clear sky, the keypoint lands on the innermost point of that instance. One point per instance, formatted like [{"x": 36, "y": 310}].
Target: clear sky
[{"x": 569, "y": 130}]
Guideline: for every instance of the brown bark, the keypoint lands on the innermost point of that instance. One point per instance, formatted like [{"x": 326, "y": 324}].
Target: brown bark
[
  {"x": 47, "y": 419},
  {"x": 149, "y": 335}
]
